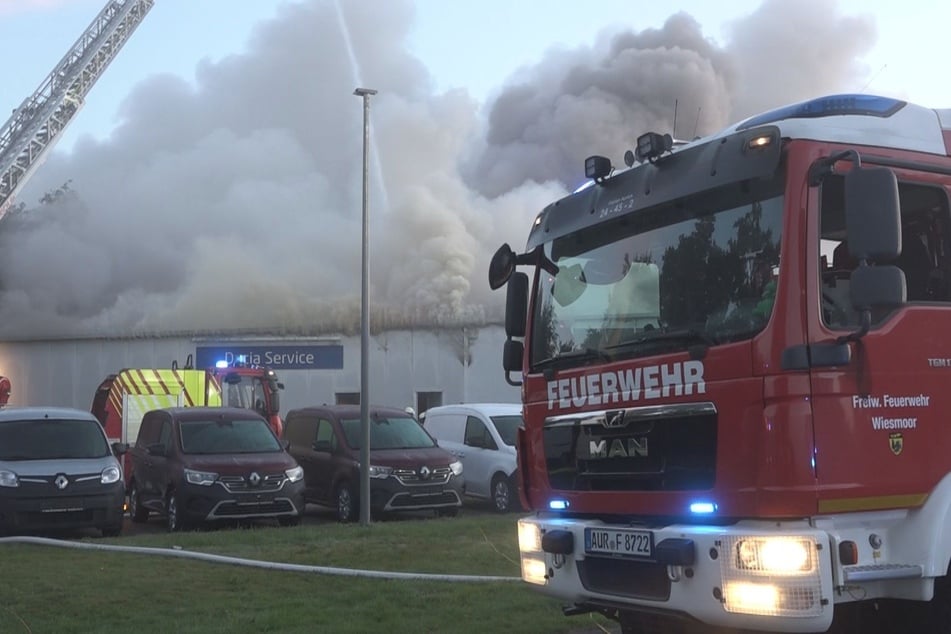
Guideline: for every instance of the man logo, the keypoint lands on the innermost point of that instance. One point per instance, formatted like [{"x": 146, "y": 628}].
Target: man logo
[
  {"x": 61, "y": 482},
  {"x": 896, "y": 442},
  {"x": 619, "y": 448}
]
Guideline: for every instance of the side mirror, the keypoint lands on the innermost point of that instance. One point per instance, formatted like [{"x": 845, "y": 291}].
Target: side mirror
[
  {"x": 877, "y": 287},
  {"x": 120, "y": 448},
  {"x": 872, "y": 213},
  {"x": 516, "y": 305},
  {"x": 512, "y": 352},
  {"x": 157, "y": 449},
  {"x": 501, "y": 266},
  {"x": 322, "y": 445}
]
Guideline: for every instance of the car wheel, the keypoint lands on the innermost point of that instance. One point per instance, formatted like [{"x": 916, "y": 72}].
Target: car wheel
[
  {"x": 139, "y": 513},
  {"x": 346, "y": 502},
  {"x": 502, "y": 493},
  {"x": 289, "y": 521},
  {"x": 173, "y": 513}
]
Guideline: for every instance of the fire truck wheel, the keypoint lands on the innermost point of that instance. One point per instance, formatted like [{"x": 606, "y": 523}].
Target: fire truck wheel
[
  {"x": 139, "y": 513},
  {"x": 648, "y": 623},
  {"x": 173, "y": 517},
  {"x": 345, "y": 502},
  {"x": 936, "y": 614},
  {"x": 502, "y": 493}
]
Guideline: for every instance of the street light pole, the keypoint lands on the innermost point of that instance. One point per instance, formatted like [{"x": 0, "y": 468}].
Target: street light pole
[{"x": 365, "y": 93}]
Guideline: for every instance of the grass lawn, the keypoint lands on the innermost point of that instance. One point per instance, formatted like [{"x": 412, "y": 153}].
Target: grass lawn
[{"x": 61, "y": 590}]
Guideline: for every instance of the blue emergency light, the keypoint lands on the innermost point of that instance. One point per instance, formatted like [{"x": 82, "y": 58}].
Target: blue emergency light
[
  {"x": 868, "y": 105},
  {"x": 558, "y": 505},
  {"x": 703, "y": 508}
]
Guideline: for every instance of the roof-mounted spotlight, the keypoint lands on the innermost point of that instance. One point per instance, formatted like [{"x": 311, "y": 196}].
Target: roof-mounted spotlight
[
  {"x": 652, "y": 145},
  {"x": 597, "y": 168}
]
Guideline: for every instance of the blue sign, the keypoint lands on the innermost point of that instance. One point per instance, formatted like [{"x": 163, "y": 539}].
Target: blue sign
[{"x": 277, "y": 356}]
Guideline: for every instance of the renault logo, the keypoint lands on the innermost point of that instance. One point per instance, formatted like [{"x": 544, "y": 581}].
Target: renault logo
[
  {"x": 61, "y": 482},
  {"x": 424, "y": 472},
  {"x": 255, "y": 479}
]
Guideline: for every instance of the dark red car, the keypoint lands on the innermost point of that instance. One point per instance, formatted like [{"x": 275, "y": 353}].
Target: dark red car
[
  {"x": 408, "y": 471},
  {"x": 202, "y": 464}
]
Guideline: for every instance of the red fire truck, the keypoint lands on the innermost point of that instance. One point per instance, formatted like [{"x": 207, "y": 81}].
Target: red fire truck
[
  {"x": 123, "y": 398},
  {"x": 734, "y": 375}
]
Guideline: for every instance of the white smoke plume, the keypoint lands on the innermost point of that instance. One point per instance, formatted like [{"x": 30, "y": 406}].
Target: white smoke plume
[{"x": 236, "y": 204}]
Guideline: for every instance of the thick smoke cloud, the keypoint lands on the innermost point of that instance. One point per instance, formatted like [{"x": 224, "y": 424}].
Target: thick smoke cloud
[{"x": 234, "y": 203}]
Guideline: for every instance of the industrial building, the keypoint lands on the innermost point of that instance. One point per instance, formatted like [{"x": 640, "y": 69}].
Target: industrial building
[{"x": 419, "y": 368}]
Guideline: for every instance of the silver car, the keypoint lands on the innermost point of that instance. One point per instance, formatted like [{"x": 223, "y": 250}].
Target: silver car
[{"x": 58, "y": 472}]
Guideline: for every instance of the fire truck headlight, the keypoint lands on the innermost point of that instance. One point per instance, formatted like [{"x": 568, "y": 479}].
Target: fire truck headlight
[
  {"x": 203, "y": 478},
  {"x": 775, "y": 555},
  {"x": 772, "y": 575},
  {"x": 9, "y": 479},
  {"x": 534, "y": 570},
  {"x": 110, "y": 474},
  {"x": 529, "y": 537}
]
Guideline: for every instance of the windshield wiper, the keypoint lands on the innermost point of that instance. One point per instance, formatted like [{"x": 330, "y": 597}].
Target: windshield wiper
[
  {"x": 683, "y": 335},
  {"x": 571, "y": 356}
]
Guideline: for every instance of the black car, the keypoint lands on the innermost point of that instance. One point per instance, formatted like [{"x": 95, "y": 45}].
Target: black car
[
  {"x": 196, "y": 465},
  {"x": 58, "y": 472},
  {"x": 408, "y": 471}
]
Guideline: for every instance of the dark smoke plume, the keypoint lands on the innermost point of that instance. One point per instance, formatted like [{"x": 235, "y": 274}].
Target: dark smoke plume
[{"x": 234, "y": 204}]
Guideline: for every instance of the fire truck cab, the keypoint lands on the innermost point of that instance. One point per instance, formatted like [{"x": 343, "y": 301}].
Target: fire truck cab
[
  {"x": 733, "y": 370},
  {"x": 251, "y": 387}
]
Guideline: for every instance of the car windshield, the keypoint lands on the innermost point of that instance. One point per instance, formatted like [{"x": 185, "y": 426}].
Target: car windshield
[
  {"x": 507, "y": 427},
  {"x": 397, "y": 432},
  {"x": 52, "y": 439},
  {"x": 228, "y": 436},
  {"x": 695, "y": 272}
]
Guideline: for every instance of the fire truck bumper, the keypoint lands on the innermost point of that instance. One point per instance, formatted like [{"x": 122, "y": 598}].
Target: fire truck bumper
[{"x": 768, "y": 576}]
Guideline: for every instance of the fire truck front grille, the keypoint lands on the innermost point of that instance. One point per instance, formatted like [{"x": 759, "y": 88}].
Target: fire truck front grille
[
  {"x": 626, "y": 578},
  {"x": 656, "y": 448}
]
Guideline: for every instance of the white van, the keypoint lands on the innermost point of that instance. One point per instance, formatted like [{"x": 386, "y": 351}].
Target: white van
[{"x": 483, "y": 436}]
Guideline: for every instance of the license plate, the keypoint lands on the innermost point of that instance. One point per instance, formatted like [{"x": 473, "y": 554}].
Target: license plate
[
  {"x": 430, "y": 490},
  {"x": 619, "y": 542}
]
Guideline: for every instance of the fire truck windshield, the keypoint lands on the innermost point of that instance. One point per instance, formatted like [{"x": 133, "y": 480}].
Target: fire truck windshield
[
  {"x": 244, "y": 391},
  {"x": 700, "y": 271}
]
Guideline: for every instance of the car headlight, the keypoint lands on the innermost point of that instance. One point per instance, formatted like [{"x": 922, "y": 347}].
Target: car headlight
[
  {"x": 204, "y": 478},
  {"x": 294, "y": 474},
  {"x": 456, "y": 468},
  {"x": 110, "y": 474},
  {"x": 9, "y": 479},
  {"x": 380, "y": 472}
]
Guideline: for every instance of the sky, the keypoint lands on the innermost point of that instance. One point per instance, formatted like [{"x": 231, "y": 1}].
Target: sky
[{"x": 214, "y": 170}]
